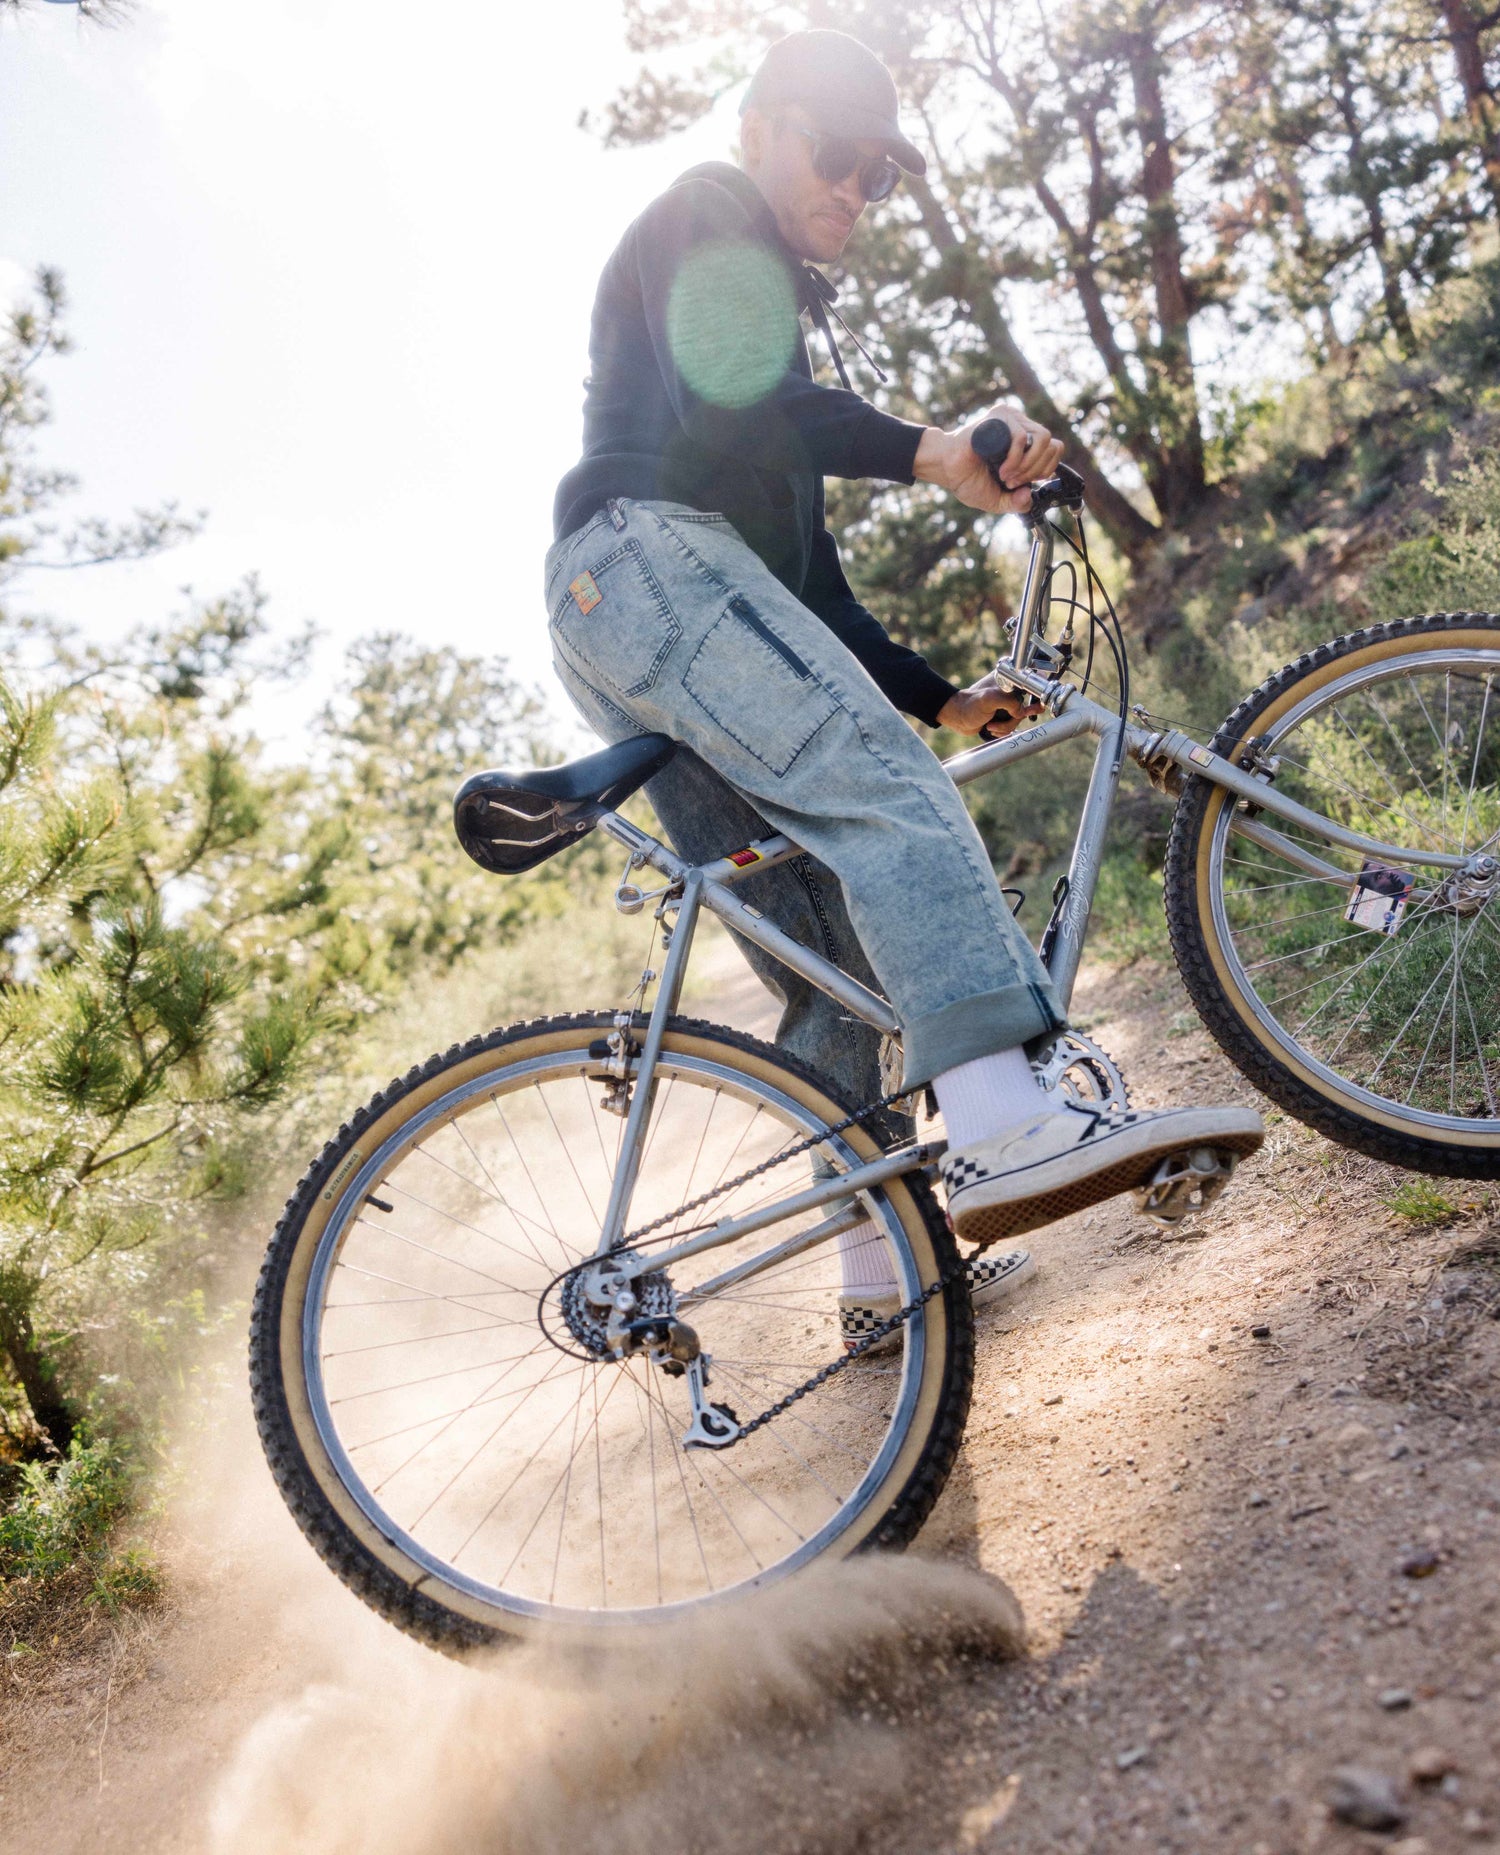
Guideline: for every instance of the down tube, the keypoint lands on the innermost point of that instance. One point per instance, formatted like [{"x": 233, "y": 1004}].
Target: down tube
[{"x": 1066, "y": 950}]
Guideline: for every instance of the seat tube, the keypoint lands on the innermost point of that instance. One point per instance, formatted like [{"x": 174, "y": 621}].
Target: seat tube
[{"x": 643, "y": 1095}]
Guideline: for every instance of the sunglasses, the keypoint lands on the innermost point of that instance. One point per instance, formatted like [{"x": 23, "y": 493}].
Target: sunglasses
[{"x": 835, "y": 158}]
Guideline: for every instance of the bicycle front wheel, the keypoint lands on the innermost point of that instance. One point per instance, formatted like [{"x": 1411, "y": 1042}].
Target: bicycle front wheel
[
  {"x": 461, "y": 1450},
  {"x": 1378, "y": 1025}
]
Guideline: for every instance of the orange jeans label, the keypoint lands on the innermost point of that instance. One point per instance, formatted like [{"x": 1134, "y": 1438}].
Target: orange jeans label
[{"x": 586, "y": 595}]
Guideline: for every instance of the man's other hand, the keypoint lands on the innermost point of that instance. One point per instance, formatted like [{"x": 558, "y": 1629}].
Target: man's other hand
[
  {"x": 947, "y": 459},
  {"x": 987, "y": 703}
]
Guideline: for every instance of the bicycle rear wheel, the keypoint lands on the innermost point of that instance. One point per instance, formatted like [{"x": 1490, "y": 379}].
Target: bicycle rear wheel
[
  {"x": 471, "y": 1478},
  {"x": 1389, "y": 1042}
]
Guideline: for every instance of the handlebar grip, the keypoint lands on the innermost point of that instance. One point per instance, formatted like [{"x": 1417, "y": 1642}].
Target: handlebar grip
[{"x": 991, "y": 442}]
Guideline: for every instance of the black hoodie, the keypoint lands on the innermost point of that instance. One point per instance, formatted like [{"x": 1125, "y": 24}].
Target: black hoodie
[{"x": 700, "y": 392}]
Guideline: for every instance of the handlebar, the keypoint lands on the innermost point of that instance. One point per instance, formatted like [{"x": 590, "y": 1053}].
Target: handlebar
[{"x": 991, "y": 443}]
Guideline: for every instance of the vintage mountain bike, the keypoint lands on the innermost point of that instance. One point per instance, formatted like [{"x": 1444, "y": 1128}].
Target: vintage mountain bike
[{"x": 548, "y": 1335}]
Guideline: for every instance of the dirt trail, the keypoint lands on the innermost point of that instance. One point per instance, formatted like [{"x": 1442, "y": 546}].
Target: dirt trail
[{"x": 1205, "y": 1532}]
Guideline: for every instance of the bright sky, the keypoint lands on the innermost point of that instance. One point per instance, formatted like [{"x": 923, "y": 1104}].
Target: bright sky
[{"x": 331, "y": 264}]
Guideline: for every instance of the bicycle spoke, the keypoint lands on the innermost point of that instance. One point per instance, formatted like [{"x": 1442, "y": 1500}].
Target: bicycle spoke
[
  {"x": 1400, "y": 806},
  {"x": 395, "y": 1236},
  {"x": 438, "y": 1210},
  {"x": 525, "y": 1166},
  {"x": 422, "y": 1448},
  {"x": 1484, "y": 1075},
  {"x": 518, "y": 1464},
  {"x": 1463, "y": 836},
  {"x": 794, "y": 1416},
  {"x": 1401, "y": 749},
  {"x": 1383, "y": 1018},
  {"x": 499, "y": 1196},
  {"x": 1282, "y": 922},
  {"x": 568, "y": 1153}
]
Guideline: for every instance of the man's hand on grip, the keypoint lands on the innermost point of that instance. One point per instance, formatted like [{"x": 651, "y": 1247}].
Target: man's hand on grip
[{"x": 948, "y": 459}]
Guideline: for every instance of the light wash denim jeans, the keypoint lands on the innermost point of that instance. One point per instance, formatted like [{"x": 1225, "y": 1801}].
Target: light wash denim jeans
[{"x": 663, "y": 620}]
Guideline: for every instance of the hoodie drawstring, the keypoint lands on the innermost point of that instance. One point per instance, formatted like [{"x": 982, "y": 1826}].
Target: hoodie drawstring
[{"x": 820, "y": 300}]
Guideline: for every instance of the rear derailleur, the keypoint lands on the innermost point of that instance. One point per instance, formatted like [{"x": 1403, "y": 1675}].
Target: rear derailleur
[{"x": 639, "y": 1316}]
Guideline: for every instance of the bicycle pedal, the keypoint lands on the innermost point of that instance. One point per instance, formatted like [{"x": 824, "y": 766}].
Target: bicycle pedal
[{"x": 1184, "y": 1184}]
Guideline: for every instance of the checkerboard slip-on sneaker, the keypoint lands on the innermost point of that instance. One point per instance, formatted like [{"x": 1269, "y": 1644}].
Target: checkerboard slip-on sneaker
[
  {"x": 992, "y": 1276},
  {"x": 1069, "y": 1158},
  {"x": 861, "y": 1311},
  {"x": 989, "y": 1278}
]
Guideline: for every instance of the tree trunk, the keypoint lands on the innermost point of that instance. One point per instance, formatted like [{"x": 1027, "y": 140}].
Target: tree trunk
[
  {"x": 1131, "y": 531},
  {"x": 1183, "y": 476},
  {"x": 50, "y": 1410},
  {"x": 1464, "y": 40},
  {"x": 1367, "y": 190}
]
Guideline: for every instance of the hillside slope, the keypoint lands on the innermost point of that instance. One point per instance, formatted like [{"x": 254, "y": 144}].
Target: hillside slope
[
  {"x": 1213, "y": 1540},
  {"x": 1332, "y": 473}
]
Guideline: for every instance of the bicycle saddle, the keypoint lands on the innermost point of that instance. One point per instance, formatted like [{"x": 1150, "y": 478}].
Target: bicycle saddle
[{"x": 509, "y": 822}]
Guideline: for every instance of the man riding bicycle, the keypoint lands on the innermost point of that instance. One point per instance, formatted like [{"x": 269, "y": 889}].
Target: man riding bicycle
[{"x": 694, "y": 589}]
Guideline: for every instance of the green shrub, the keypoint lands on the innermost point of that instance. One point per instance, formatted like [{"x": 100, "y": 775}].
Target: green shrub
[
  {"x": 63, "y": 1511},
  {"x": 1456, "y": 566},
  {"x": 1128, "y": 920},
  {"x": 127, "y": 1580}
]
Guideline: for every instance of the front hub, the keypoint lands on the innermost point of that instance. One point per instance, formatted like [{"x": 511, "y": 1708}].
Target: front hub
[{"x": 1467, "y": 890}]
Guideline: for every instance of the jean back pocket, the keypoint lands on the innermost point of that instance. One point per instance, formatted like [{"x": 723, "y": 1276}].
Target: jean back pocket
[
  {"x": 756, "y": 687},
  {"x": 614, "y": 618}
]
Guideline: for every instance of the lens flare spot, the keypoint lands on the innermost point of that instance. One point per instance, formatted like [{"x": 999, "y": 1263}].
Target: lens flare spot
[{"x": 732, "y": 322}]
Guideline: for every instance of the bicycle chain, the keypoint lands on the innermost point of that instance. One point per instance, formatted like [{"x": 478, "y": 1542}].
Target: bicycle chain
[
  {"x": 861, "y": 1346},
  {"x": 835, "y": 1366},
  {"x": 633, "y": 1237}
]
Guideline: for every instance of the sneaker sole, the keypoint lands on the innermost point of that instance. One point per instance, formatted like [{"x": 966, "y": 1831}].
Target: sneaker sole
[{"x": 1030, "y": 1205}]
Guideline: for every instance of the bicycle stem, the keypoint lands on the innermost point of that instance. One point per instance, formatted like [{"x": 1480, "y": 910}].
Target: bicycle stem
[{"x": 1034, "y": 595}]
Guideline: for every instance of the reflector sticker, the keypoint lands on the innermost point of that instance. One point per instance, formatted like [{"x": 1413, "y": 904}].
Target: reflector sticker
[
  {"x": 1201, "y": 755},
  {"x": 1379, "y": 896},
  {"x": 586, "y": 595},
  {"x": 742, "y": 857}
]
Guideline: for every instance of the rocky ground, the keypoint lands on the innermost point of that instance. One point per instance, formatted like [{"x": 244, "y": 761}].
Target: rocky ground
[{"x": 1243, "y": 1482}]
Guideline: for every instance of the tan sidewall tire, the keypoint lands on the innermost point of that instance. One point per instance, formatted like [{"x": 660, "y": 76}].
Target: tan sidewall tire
[
  {"x": 281, "y": 1297},
  {"x": 1431, "y": 1149}
]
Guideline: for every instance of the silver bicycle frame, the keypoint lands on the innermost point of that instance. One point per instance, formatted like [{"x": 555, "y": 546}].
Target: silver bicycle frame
[{"x": 693, "y": 887}]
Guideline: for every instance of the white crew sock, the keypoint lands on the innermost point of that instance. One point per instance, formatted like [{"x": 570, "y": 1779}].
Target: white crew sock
[
  {"x": 865, "y": 1261},
  {"x": 978, "y": 1099},
  {"x": 988, "y": 1096}
]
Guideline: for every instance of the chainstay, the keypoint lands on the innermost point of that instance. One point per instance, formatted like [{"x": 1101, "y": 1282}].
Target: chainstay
[
  {"x": 835, "y": 1366},
  {"x": 633, "y": 1237}
]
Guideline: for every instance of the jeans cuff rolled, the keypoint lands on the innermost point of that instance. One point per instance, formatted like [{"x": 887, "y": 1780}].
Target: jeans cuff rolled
[{"x": 1023, "y": 1013}]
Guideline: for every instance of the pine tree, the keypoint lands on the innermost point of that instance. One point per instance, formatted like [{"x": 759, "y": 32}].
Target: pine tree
[{"x": 188, "y": 928}]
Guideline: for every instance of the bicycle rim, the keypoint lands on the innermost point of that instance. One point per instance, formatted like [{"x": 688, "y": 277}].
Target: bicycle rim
[
  {"x": 1403, "y": 1027},
  {"x": 509, "y": 1479}
]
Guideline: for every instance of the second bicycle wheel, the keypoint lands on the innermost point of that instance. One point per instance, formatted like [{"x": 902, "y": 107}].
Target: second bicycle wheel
[
  {"x": 447, "y": 1438},
  {"x": 1377, "y": 1024}
]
